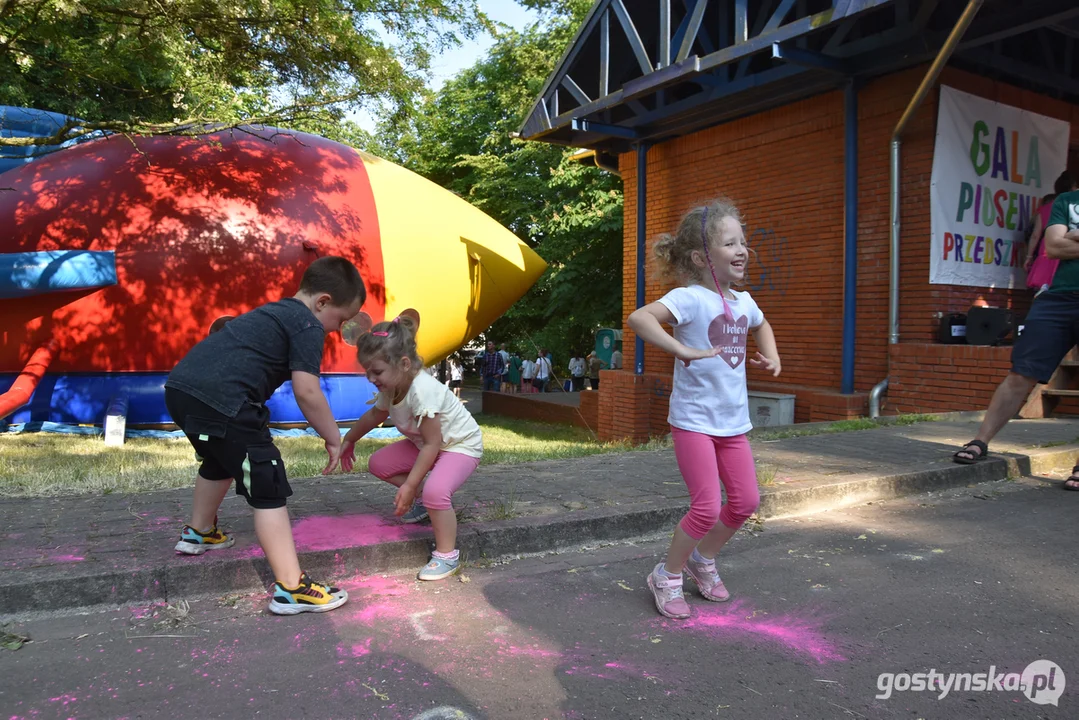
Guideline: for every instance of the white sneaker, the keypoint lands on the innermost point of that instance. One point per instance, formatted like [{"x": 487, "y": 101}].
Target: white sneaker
[
  {"x": 707, "y": 579},
  {"x": 667, "y": 592}
]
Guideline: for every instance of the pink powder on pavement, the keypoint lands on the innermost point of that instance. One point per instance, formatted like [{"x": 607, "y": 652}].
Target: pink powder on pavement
[
  {"x": 357, "y": 650},
  {"x": 67, "y": 558},
  {"x": 329, "y": 533},
  {"x": 738, "y": 618}
]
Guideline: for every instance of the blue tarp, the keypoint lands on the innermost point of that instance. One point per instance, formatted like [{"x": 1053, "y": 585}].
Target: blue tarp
[
  {"x": 25, "y": 274},
  {"x": 28, "y": 122},
  {"x": 52, "y": 427}
]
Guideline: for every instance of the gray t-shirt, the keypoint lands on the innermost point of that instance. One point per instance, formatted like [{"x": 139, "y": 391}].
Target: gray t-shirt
[{"x": 249, "y": 358}]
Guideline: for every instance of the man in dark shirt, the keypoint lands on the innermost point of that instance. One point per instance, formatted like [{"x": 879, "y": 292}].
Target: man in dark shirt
[
  {"x": 493, "y": 365},
  {"x": 217, "y": 393},
  {"x": 1050, "y": 331}
]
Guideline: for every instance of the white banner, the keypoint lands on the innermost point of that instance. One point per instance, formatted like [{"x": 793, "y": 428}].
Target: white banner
[{"x": 992, "y": 165}]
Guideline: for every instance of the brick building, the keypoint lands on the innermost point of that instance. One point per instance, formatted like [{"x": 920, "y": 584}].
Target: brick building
[{"x": 790, "y": 108}]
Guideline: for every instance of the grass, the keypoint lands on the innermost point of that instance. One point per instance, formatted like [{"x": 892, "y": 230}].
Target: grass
[
  {"x": 766, "y": 474},
  {"x": 1056, "y": 443},
  {"x": 44, "y": 464},
  {"x": 840, "y": 426}
]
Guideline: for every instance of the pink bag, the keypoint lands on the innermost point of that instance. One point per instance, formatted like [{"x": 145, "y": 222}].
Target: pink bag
[{"x": 1044, "y": 267}]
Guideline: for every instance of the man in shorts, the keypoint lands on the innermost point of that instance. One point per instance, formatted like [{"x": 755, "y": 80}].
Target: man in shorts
[{"x": 1050, "y": 331}]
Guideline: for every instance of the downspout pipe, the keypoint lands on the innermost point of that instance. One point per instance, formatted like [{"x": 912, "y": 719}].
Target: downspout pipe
[
  {"x": 642, "y": 235},
  {"x": 928, "y": 81},
  {"x": 850, "y": 235}
]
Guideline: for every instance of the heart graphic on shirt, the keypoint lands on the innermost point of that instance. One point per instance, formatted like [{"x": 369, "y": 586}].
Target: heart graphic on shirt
[{"x": 730, "y": 337}]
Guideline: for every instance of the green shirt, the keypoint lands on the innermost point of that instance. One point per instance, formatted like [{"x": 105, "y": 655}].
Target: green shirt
[{"x": 1066, "y": 212}]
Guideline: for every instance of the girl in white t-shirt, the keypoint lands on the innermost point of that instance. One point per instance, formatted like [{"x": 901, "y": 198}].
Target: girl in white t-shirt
[
  {"x": 709, "y": 407},
  {"x": 441, "y": 437},
  {"x": 528, "y": 372}
]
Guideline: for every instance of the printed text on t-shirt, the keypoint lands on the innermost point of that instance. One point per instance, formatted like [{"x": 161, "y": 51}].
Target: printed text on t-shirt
[{"x": 730, "y": 338}]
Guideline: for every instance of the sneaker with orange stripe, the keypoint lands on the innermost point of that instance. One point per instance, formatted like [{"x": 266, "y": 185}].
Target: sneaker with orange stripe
[
  {"x": 193, "y": 542},
  {"x": 309, "y": 596}
]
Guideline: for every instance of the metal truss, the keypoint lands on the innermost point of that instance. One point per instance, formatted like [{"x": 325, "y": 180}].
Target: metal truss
[{"x": 649, "y": 69}]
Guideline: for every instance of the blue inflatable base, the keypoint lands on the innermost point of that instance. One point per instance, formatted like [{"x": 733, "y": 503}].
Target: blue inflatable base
[
  {"x": 64, "y": 429},
  {"x": 83, "y": 398}
]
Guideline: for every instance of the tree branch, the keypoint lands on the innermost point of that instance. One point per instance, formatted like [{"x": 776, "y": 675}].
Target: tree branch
[{"x": 73, "y": 129}]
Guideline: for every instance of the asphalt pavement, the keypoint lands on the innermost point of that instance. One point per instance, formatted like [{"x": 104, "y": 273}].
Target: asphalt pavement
[{"x": 834, "y": 615}]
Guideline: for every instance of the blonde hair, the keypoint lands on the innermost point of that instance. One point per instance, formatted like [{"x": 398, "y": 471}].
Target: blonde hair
[
  {"x": 390, "y": 341},
  {"x": 674, "y": 253}
]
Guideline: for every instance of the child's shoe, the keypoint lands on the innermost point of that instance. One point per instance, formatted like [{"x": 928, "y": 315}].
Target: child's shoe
[
  {"x": 415, "y": 514},
  {"x": 439, "y": 568},
  {"x": 707, "y": 579},
  {"x": 192, "y": 542},
  {"x": 667, "y": 592},
  {"x": 310, "y": 596}
]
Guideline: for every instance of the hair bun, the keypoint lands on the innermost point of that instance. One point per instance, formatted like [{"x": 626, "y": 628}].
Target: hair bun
[{"x": 410, "y": 317}]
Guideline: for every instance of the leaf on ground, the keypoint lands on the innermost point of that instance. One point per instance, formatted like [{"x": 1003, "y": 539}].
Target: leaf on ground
[
  {"x": 11, "y": 641},
  {"x": 624, "y": 586}
]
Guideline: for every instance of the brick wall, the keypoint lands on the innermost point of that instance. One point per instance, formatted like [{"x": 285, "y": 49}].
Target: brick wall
[
  {"x": 590, "y": 409},
  {"x": 527, "y": 407},
  {"x": 784, "y": 168},
  {"x": 928, "y": 377}
]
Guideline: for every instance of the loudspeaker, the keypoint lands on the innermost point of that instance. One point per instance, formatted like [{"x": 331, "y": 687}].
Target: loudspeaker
[
  {"x": 953, "y": 329},
  {"x": 989, "y": 326}
]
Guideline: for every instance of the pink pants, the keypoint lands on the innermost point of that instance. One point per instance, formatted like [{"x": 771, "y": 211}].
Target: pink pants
[
  {"x": 706, "y": 461},
  {"x": 447, "y": 474}
]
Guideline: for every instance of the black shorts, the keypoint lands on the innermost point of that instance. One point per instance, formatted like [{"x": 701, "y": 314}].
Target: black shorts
[
  {"x": 1050, "y": 330},
  {"x": 238, "y": 448},
  {"x": 455, "y": 384}
]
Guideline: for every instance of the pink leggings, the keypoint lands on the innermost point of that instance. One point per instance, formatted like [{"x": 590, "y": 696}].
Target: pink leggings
[
  {"x": 706, "y": 461},
  {"x": 449, "y": 472}
]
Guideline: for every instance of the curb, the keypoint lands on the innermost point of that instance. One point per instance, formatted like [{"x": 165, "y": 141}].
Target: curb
[
  {"x": 168, "y": 577},
  {"x": 831, "y": 496}
]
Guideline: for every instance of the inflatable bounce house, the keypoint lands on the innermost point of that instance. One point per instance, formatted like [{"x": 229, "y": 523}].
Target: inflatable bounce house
[{"x": 118, "y": 253}]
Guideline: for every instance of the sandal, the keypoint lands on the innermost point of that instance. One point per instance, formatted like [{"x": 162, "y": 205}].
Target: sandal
[
  {"x": 1074, "y": 480},
  {"x": 974, "y": 458}
]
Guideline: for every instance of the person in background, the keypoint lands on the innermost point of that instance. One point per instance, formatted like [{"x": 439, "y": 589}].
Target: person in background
[
  {"x": 594, "y": 366},
  {"x": 1039, "y": 266},
  {"x": 492, "y": 365},
  {"x": 543, "y": 371},
  {"x": 456, "y": 375},
  {"x": 576, "y": 371},
  {"x": 528, "y": 375},
  {"x": 505, "y": 366},
  {"x": 513, "y": 376},
  {"x": 616, "y": 357}
]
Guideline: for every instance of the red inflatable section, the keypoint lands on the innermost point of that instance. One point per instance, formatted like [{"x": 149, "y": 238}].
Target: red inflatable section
[{"x": 201, "y": 227}]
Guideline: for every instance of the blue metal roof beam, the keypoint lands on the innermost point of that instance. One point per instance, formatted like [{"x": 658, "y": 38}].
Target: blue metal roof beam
[
  {"x": 540, "y": 123},
  {"x": 688, "y": 32},
  {"x": 809, "y": 59},
  {"x": 789, "y": 31},
  {"x": 632, "y": 36},
  {"x": 590, "y": 126}
]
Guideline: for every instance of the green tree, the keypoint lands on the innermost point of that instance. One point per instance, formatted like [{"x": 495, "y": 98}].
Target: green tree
[
  {"x": 569, "y": 212},
  {"x": 159, "y": 66}
]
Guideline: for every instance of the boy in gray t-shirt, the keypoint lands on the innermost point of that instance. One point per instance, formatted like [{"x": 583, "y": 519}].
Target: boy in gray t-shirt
[{"x": 217, "y": 393}]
